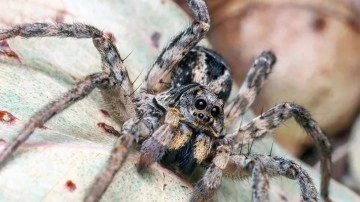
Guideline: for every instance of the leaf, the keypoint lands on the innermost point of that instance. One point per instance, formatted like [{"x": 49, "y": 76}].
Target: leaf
[
  {"x": 59, "y": 161},
  {"x": 353, "y": 153}
]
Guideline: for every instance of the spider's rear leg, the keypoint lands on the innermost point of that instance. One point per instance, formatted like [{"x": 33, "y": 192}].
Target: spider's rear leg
[
  {"x": 79, "y": 91},
  {"x": 243, "y": 166},
  {"x": 159, "y": 77},
  {"x": 268, "y": 121},
  {"x": 251, "y": 87}
]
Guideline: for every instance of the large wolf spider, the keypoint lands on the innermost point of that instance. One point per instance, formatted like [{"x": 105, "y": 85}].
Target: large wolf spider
[{"x": 180, "y": 115}]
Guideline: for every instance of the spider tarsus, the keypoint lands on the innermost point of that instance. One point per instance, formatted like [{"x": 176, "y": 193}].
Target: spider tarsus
[{"x": 269, "y": 57}]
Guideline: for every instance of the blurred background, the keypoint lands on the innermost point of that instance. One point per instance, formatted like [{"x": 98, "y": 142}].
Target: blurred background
[{"x": 317, "y": 44}]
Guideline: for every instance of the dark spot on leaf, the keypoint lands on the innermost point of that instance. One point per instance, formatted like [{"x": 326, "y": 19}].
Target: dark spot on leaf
[
  {"x": 6, "y": 51},
  {"x": 282, "y": 197},
  {"x": 108, "y": 129},
  {"x": 70, "y": 185},
  {"x": 43, "y": 127},
  {"x": 7, "y": 117},
  {"x": 354, "y": 24},
  {"x": 318, "y": 24},
  {"x": 155, "y": 37},
  {"x": 105, "y": 113},
  {"x": 60, "y": 16}
]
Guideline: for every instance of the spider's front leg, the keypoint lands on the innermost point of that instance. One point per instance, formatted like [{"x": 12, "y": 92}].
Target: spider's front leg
[
  {"x": 114, "y": 72},
  {"x": 113, "y": 82},
  {"x": 271, "y": 119},
  {"x": 175, "y": 130},
  {"x": 154, "y": 148},
  {"x": 204, "y": 189},
  {"x": 118, "y": 97}
]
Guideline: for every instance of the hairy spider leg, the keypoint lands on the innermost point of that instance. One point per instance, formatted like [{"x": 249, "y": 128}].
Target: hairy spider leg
[
  {"x": 154, "y": 148},
  {"x": 114, "y": 85},
  {"x": 157, "y": 80},
  {"x": 118, "y": 96},
  {"x": 79, "y": 91},
  {"x": 159, "y": 76},
  {"x": 240, "y": 166},
  {"x": 271, "y": 119},
  {"x": 250, "y": 88},
  {"x": 259, "y": 168},
  {"x": 117, "y": 158}
]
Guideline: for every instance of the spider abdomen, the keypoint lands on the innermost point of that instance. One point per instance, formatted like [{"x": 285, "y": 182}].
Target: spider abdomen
[{"x": 205, "y": 67}]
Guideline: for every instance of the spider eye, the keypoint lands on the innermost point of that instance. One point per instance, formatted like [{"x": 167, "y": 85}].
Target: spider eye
[
  {"x": 215, "y": 111},
  {"x": 200, "y": 104}
]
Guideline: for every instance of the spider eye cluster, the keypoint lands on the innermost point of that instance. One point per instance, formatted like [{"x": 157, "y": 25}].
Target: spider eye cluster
[{"x": 201, "y": 104}]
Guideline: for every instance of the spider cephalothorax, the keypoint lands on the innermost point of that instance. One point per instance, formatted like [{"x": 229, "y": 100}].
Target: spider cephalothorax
[
  {"x": 199, "y": 108},
  {"x": 181, "y": 114}
]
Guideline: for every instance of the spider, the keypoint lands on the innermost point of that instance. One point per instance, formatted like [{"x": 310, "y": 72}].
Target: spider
[{"x": 181, "y": 115}]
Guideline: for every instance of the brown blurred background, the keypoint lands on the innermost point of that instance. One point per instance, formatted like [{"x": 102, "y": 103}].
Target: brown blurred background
[{"x": 317, "y": 44}]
